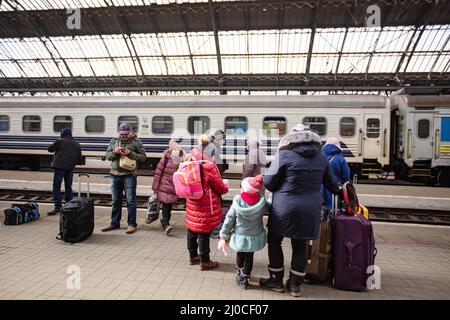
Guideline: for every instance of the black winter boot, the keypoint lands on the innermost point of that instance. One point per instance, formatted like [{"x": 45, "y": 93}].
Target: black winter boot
[
  {"x": 293, "y": 284},
  {"x": 275, "y": 282},
  {"x": 237, "y": 277},
  {"x": 241, "y": 279}
]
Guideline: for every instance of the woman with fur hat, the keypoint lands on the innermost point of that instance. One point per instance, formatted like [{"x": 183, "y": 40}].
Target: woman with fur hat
[
  {"x": 295, "y": 177},
  {"x": 243, "y": 227}
]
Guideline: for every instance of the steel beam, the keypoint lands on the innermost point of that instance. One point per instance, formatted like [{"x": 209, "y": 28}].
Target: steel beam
[
  {"x": 230, "y": 14},
  {"x": 212, "y": 15}
]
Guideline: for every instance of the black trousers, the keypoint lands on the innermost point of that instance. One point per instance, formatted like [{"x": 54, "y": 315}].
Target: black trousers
[
  {"x": 299, "y": 252},
  {"x": 166, "y": 210},
  {"x": 198, "y": 245},
  {"x": 245, "y": 260}
]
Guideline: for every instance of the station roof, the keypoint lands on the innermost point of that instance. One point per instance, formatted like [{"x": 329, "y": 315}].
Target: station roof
[{"x": 223, "y": 46}]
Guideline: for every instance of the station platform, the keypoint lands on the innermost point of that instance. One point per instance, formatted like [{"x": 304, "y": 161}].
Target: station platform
[
  {"x": 380, "y": 196},
  {"x": 149, "y": 265}
]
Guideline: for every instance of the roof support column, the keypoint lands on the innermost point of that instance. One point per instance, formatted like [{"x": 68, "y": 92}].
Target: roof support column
[
  {"x": 311, "y": 42},
  {"x": 212, "y": 15}
]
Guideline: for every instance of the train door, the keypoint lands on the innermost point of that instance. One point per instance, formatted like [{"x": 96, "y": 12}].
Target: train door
[
  {"x": 372, "y": 136},
  {"x": 423, "y": 136}
]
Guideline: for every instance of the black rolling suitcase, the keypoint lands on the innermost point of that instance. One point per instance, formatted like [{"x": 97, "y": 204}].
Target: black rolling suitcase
[{"x": 76, "y": 222}]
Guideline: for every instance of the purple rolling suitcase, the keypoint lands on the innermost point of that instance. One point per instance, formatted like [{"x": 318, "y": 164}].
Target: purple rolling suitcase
[{"x": 353, "y": 251}]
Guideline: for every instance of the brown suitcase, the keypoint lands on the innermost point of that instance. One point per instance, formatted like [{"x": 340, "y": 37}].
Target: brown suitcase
[{"x": 319, "y": 254}]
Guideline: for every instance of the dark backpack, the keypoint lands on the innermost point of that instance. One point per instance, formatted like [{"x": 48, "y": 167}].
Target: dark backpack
[
  {"x": 21, "y": 213},
  {"x": 348, "y": 200}
]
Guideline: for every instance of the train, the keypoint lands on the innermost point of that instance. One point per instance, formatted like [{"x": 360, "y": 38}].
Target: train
[{"x": 406, "y": 136}]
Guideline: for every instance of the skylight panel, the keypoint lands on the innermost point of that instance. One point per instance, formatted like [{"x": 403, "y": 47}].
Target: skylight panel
[
  {"x": 353, "y": 63},
  {"x": 323, "y": 63},
  {"x": 202, "y": 43},
  {"x": 205, "y": 65},
  {"x": 154, "y": 66},
  {"x": 361, "y": 39},
  {"x": 233, "y": 42},
  {"x": 328, "y": 40},
  {"x": 263, "y": 64},
  {"x": 384, "y": 63},
  {"x": 173, "y": 44},
  {"x": 235, "y": 64},
  {"x": 294, "y": 41},
  {"x": 146, "y": 44},
  {"x": 292, "y": 64},
  {"x": 179, "y": 65}
]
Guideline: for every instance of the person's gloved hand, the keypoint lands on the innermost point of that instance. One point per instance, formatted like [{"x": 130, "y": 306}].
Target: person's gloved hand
[
  {"x": 226, "y": 182},
  {"x": 222, "y": 246}
]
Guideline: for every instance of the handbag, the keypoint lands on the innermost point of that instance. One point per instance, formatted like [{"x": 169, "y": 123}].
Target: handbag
[{"x": 126, "y": 162}]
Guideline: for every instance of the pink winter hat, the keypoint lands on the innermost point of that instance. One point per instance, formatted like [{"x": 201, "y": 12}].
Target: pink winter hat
[{"x": 252, "y": 184}]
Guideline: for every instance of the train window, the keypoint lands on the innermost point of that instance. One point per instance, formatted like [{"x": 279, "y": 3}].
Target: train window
[
  {"x": 162, "y": 125},
  {"x": 133, "y": 121},
  {"x": 94, "y": 124},
  {"x": 31, "y": 123},
  {"x": 347, "y": 127},
  {"x": 198, "y": 124},
  {"x": 373, "y": 128},
  {"x": 61, "y": 122},
  {"x": 236, "y": 125},
  {"x": 423, "y": 128},
  {"x": 4, "y": 123},
  {"x": 316, "y": 124},
  {"x": 274, "y": 126}
]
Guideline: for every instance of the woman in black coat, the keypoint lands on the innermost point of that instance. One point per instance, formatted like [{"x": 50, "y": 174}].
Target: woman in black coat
[{"x": 295, "y": 177}]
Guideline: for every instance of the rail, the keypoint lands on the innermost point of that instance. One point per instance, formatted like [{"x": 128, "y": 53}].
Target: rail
[{"x": 375, "y": 214}]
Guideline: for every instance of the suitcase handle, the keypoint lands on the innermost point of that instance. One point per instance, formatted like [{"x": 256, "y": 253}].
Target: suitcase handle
[{"x": 79, "y": 183}]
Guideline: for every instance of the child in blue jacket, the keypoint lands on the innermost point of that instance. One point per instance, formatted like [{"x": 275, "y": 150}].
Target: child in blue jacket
[{"x": 243, "y": 228}]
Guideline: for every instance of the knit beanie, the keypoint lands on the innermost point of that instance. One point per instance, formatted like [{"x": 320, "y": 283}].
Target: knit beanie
[
  {"x": 250, "y": 188},
  {"x": 66, "y": 132}
]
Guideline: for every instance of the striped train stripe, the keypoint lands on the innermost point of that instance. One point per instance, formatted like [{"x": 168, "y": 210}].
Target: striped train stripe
[{"x": 151, "y": 145}]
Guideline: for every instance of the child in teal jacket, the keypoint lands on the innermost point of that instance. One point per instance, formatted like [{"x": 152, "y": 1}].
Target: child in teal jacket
[{"x": 243, "y": 228}]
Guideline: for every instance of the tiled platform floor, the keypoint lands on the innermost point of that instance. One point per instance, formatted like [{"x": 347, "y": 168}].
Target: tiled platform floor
[{"x": 414, "y": 262}]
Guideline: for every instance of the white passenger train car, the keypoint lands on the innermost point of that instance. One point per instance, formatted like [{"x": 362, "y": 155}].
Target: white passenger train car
[
  {"x": 29, "y": 124},
  {"x": 421, "y": 137}
]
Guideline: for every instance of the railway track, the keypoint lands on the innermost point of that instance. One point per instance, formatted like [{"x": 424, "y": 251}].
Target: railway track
[
  {"x": 238, "y": 176},
  {"x": 432, "y": 217}
]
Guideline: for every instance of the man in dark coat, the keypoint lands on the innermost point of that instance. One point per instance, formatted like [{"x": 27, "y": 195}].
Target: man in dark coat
[
  {"x": 295, "y": 177},
  {"x": 67, "y": 156}
]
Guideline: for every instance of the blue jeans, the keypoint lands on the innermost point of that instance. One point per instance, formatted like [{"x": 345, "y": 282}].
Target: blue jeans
[
  {"x": 119, "y": 184},
  {"x": 58, "y": 176}
]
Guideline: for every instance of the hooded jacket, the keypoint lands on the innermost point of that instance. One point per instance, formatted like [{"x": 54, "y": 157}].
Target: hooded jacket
[
  {"x": 163, "y": 179},
  {"x": 67, "y": 153},
  {"x": 255, "y": 161},
  {"x": 201, "y": 217},
  {"x": 340, "y": 169},
  {"x": 137, "y": 152},
  {"x": 338, "y": 164},
  {"x": 243, "y": 225},
  {"x": 295, "y": 177}
]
